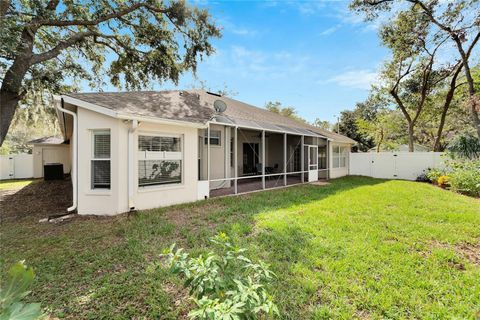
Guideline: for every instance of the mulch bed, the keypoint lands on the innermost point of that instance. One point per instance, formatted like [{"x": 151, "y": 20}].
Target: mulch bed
[{"x": 36, "y": 201}]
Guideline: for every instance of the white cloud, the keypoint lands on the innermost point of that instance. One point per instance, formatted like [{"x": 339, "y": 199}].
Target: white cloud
[
  {"x": 358, "y": 79},
  {"x": 240, "y": 61},
  {"x": 330, "y": 30},
  {"x": 233, "y": 28}
]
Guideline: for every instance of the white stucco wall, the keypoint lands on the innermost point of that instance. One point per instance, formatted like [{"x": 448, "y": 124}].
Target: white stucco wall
[
  {"x": 115, "y": 200},
  {"x": 338, "y": 172}
]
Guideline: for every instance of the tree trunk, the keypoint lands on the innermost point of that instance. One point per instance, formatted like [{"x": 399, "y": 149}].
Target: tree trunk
[
  {"x": 448, "y": 100},
  {"x": 10, "y": 92},
  {"x": 380, "y": 141},
  {"x": 471, "y": 86},
  {"x": 410, "y": 137}
]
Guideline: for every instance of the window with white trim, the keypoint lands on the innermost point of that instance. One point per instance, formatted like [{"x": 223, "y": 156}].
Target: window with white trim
[
  {"x": 100, "y": 161},
  {"x": 160, "y": 159},
  {"x": 339, "y": 157},
  {"x": 215, "y": 137}
]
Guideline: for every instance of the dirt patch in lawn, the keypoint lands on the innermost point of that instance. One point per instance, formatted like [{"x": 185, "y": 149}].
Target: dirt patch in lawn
[
  {"x": 194, "y": 217},
  {"x": 467, "y": 251},
  {"x": 36, "y": 200},
  {"x": 471, "y": 252}
]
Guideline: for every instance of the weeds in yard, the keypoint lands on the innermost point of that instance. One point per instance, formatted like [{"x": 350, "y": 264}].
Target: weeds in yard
[{"x": 224, "y": 285}]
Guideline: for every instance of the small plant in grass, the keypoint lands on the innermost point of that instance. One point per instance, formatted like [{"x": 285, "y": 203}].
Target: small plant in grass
[
  {"x": 224, "y": 284},
  {"x": 13, "y": 291}
]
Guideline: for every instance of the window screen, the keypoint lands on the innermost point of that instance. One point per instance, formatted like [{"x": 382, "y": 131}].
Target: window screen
[
  {"x": 159, "y": 160},
  {"x": 100, "y": 163}
]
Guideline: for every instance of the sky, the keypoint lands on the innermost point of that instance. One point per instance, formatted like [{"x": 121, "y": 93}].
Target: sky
[{"x": 316, "y": 56}]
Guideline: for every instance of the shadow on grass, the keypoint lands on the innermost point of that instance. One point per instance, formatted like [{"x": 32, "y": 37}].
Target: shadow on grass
[{"x": 95, "y": 267}]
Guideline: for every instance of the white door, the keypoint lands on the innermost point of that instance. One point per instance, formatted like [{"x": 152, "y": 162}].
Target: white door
[{"x": 312, "y": 163}]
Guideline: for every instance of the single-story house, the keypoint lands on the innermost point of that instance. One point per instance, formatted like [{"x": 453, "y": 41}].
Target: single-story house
[{"x": 141, "y": 150}]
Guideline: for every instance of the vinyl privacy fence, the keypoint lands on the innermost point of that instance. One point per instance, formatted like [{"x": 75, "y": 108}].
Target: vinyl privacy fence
[
  {"x": 17, "y": 166},
  {"x": 394, "y": 165}
]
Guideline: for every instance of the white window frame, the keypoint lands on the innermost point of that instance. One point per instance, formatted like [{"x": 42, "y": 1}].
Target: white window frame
[
  {"x": 161, "y": 155},
  {"x": 92, "y": 158},
  {"x": 205, "y": 138},
  {"x": 338, "y": 156}
]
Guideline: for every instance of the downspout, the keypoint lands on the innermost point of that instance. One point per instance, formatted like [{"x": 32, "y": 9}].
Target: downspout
[
  {"x": 130, "y": 162},
  {"x": 75, "y": 157}
]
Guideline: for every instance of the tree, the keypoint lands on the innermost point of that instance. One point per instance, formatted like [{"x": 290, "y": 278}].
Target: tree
[
  {"x": 133, "y": 42},
  {"x": 224, "y": 92},
  {"x": 290, "y": 112},
  {"x": 323, "y": 124},
  {"x": 384, "y": 129},
  {"x": 459, "y": 21},
  {"x": 412, "y": 74},
  {"x": 366, "y": 110}
]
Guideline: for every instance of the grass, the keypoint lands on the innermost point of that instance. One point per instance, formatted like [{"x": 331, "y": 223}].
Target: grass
[
  {"x": 357, "y": 248},
  {"x": 15, "y": 184}
]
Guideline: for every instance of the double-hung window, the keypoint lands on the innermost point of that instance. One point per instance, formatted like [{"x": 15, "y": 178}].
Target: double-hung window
[
  {"x": 215, "y": 137},
  {"x": 160, "y": 160},
  {"x": 100, "y": 161},
  {"x": 339, "y": 157}
]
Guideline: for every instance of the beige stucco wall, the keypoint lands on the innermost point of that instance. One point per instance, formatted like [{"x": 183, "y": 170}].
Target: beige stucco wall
[
  {"x": 337, "y": 172},
  {"x": 50, "y": 153},
  {"x": 115, "y": 200}
]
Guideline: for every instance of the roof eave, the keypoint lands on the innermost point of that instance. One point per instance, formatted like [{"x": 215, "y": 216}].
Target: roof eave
[{"x": 113, "y": 114}]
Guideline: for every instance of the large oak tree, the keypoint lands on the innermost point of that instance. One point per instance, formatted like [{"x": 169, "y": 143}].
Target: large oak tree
[
  {"x": 45, "y": 43},
  {"x": 458, "y": 20}
]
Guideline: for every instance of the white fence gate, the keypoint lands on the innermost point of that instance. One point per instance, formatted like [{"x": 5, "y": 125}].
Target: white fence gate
[
  {"x": 394, "y": 165},
  {"x": 16, "y": 166}
]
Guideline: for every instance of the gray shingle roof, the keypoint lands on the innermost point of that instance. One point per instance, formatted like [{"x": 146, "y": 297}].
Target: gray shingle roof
[
  {"x": 47, "y": 140},
  {"x": 191, "y": 106}
]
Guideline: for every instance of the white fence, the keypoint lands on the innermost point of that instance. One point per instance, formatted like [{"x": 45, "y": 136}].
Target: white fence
[
  {"x": 394, "y": 165},
  {"x": 16, "y": 166}
]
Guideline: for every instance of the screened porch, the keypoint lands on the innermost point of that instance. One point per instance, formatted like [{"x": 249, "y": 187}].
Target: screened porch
[{"x": 237, "y": 159}]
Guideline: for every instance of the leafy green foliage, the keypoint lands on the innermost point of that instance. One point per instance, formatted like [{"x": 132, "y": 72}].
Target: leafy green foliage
[
  {"x": 465, "y": 146},
  {"x": 464, "y": 176},
  {"x": 384, "y": 129},
  {"x": 13, "y": 291},
  {"x": 226, "y": 285},
  {"x": 290, "y": 112}
]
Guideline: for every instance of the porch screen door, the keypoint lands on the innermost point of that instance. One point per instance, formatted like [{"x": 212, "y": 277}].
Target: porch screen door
[{"x": 312, "y": 163}]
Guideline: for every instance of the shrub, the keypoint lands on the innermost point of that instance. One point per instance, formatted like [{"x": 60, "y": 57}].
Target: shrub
[
  {"x": 465, "y": 177},
  {"x": 226, "y": 285},
  {"x": 466, "y": 146},
  {"x": 12, "y": 293},
  {"x": 442, "y": 181},
  {"x": 433, "y": 174}
]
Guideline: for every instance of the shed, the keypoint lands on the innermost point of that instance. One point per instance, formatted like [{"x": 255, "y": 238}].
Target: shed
[{"x": 50, "y": 150}]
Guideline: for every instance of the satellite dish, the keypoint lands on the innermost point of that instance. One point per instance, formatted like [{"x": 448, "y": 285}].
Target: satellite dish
[{"x": 219, "y": 106}]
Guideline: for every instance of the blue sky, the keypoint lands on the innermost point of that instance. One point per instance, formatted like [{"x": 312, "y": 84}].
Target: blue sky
[{"x": 313, "y": 55}]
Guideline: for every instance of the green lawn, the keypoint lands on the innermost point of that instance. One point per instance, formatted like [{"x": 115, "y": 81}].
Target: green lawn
[
  {"x": 14, "y": 184},
  {"x": 357, "y": 248}
]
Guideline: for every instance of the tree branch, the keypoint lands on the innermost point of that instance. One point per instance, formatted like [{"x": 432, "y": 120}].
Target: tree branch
[
  {"x": 62, "y": 45},
  {"x": 113, "y": 15}
]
